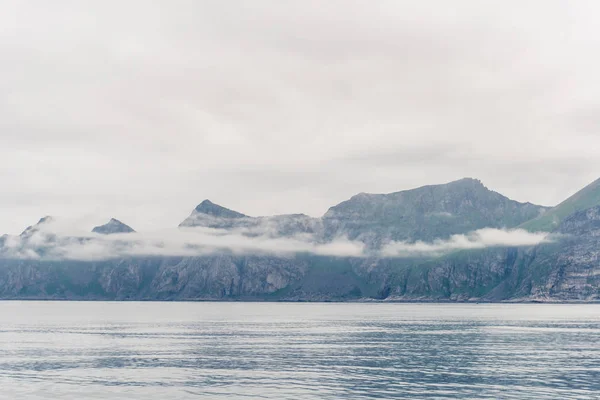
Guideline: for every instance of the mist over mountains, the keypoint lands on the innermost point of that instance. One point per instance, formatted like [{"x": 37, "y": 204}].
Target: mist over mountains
[{"x": 455, "y": 241}]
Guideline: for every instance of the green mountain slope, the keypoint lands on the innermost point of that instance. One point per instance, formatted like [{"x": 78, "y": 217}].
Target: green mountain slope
[{"x": 586, "y": 198}]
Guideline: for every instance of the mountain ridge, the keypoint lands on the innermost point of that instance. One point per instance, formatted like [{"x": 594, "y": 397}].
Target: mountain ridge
[
  {"x": 566, "y": 268},
  {"x": 427, "y": 212},
  {"x": 420, "y": 219}
]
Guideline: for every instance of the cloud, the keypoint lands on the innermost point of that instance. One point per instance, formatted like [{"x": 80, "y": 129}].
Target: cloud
[
  {"x": 53, "y": 240},
  {"x": 479, "y": 239},
  {"x": 61, "y": 239}
]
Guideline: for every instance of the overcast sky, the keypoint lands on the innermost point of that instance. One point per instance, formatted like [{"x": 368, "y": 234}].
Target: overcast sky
[{"x": 139, "y": 110}]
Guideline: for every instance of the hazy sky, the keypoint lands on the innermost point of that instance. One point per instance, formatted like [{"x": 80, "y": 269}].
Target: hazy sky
[{"x": 140, "y": 110}]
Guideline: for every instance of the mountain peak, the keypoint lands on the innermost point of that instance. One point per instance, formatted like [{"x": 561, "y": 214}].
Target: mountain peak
[
  {"x": 426, "y": 213},
  {"x": 34, "y": 228},
  {"x": 210, "y": 208},
  {"x": 45, "y": 219},
  {"x": 471, "y": 180},
  {"x": 113, "y": 226},
  {"x": 466, "y": 182}
]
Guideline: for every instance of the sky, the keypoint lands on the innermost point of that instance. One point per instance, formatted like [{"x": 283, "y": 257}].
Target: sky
[{"x": 140, "y": 110}]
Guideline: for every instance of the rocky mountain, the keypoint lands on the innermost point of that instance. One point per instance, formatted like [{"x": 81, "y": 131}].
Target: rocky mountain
[
  {"x": 30, "y": 230},
  {"x": 210, "y": 215},
  {"x": 564, "y": 268},
  {"x": 426, "y": 213},
  {"x": 570, "y": 269},
  {"x": 113, "y": 226},
  {"x": 207, "y": 207}
]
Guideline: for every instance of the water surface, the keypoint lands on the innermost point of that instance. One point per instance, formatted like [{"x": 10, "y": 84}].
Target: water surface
[{"x": 127, "y": 350}]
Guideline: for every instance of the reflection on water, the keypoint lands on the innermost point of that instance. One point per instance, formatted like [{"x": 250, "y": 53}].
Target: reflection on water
[{"x": 95, "y": 350}]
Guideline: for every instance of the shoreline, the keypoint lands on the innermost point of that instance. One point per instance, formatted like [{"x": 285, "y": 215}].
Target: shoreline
[{"x": 359, "y": 301}]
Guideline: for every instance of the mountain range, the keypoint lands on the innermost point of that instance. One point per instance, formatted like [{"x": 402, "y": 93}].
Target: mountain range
[{"x": 458, "y": 241}]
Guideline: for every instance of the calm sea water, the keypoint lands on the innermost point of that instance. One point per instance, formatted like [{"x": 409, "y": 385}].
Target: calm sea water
[{"x": 95, "y": 350}]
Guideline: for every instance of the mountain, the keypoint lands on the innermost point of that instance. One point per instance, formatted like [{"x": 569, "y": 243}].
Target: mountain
[
  {"x": 210, "y": 215},
  {"x": 426, "y": 213},
  {"x": 30, "y": 230},
  {"x": 207, "y": 207},
  {"x": 587, "y": 197},
  {"x": 113, "y": 226},
  {"x": 569, "y": 268},
  {"x": 564, "y": 268}
]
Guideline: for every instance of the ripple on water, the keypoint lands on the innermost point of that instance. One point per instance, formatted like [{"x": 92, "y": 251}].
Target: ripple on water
[{"x": 298, "y": 351}]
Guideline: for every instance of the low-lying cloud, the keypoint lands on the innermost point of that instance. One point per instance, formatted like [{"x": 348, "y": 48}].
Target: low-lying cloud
[
  {"x": 50, "y": 241},
  {"x": 478, "y": 239},
  {"x": 56, "y": 240}
]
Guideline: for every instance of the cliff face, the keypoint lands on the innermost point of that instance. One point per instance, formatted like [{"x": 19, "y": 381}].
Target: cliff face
[
  {"x": 174, "y": 278},
  {"x": 571, "y": 268},
  {"x": 565, "y": 270}
]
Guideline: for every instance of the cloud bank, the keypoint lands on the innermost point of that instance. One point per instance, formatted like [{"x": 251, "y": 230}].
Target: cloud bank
[
  {"x": 53, "y": 240},
  {"x": 478, "y": 239}
]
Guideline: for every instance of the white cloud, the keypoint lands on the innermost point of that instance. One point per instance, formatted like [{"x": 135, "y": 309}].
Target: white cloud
[
  {"x": 479, "y": 239},
  {"x": 62, "y": 239},
  {"x": 54, "y": 241}
]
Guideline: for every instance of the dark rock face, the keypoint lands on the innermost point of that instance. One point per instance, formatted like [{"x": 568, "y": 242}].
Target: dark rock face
[
  {"x": 580, "y": 223},
  {"x": 113, "y": 226},
  {"x": 567, "y": 269},
  {"x": 173, "y": 278},
  {"x": 570, "y": 269}
]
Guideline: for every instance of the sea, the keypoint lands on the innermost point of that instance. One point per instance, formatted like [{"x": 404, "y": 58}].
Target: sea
[{"x": 238, "y": 350}]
